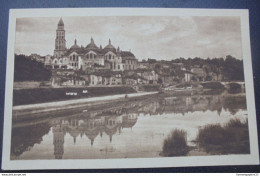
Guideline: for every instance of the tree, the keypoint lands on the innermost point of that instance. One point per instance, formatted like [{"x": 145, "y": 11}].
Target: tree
[{"x": 26, "y": 69}]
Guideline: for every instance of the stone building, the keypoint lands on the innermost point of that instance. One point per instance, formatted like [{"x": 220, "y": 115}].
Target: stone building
[
  {"x": 199, "y": 73},
  {"x": 105, "y": 78},
  {"x": 89, "y": 57}
]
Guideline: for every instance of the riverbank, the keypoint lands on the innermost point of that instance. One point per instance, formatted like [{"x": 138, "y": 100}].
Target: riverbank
[
  {"x": 22, "y": 111},
  {"x": 46, "y": 95}
]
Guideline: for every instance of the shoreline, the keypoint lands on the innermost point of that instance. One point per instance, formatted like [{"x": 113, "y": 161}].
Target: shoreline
[{"x": 69, "y": 104}]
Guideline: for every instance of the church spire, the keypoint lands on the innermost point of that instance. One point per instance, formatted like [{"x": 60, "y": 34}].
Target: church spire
[
  {"x": 91, "y": 41},
  {"x": 109, "y": 42},
  {"x": 61, "y": 22}
]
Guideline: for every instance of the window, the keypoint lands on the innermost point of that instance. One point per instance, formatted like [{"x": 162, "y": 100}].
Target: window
[
  {"x": 118, "y": 67},
  {"x": 109, "y": 56},
  {"x": 90, "y": 55},
  {"x": 94, "y": 56},
  {"x": 87, "y": 56}
]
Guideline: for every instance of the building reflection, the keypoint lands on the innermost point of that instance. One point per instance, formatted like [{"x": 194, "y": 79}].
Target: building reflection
[
  {"x": 58, "y": 140},
  {"x": 112, "y": 120},
  {"x": 90, "y": 127}
]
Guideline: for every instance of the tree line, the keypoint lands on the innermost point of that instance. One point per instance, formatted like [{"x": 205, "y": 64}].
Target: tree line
[
  {"x": 26, "y": 69},
  {"x": 230, "y": 67}
]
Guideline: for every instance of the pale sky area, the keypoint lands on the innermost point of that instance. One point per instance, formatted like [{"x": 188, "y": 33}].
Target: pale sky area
[{"x": 147, "y": 37}]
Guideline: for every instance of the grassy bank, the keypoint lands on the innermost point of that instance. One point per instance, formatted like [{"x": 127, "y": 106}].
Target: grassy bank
[
  {"x": 43, "y": 95},
  {"x": 232, "y": 138}
]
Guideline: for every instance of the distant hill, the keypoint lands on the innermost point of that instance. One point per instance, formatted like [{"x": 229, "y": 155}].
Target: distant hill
[{"x": 26, "y": 69}]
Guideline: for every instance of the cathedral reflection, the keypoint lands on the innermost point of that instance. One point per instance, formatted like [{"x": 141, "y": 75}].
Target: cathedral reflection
[
  {"x": 112, "y": 120},
  {"x": 90, "y": 127}
]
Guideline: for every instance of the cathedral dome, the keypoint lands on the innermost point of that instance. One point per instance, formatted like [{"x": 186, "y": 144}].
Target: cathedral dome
[
  {"x": 92, "y": 45},
  {"x": 75, "y": 46},
  {"x": 110, "y": 47},
  {"x": 61, "y": 22}
]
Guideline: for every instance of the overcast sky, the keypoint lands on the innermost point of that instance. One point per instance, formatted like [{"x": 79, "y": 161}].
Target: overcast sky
[{"x": 147, "y": 37}]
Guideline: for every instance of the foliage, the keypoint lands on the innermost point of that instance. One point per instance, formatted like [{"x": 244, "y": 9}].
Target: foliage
[
  {"x": 232, "y": 138},
  {"x": 26, "y": 69},
  {"x": 230, "y": 67},
  {"x": 175, "y": 144}
]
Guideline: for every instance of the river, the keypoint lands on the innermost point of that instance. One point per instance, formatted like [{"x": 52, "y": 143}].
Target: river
[{"x": 132, "y": 129}]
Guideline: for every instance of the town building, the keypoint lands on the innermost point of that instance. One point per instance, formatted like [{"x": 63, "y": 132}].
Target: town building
[
  {"x": 106, "y": 78},
  {"x": 148, "y": 75},
  {"x": 199, "y": 73}
]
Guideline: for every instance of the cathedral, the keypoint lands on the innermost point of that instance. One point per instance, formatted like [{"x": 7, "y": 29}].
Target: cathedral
[{"x": 86, "y": 58}]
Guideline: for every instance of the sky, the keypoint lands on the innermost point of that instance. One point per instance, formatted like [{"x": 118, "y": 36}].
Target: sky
[{"x": 156, "y": 37}]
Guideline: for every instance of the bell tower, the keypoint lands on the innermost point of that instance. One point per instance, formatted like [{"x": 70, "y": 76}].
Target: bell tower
[{"x": 60, "y": 42}]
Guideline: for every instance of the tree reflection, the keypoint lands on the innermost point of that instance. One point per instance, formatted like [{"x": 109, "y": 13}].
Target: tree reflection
[{"x": 24, "y": 138}]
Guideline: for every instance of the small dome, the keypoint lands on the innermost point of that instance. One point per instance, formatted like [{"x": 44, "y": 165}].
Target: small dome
[
  {"x": 92, "y": 45},
  {"x": 61, "y": 22},
  {"x": 110, "y": 46},
  {"x": 75, "y": 46}
]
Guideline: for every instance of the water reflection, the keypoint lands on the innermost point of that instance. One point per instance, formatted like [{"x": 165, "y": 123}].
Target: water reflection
[{"x": 113, "y": 120}]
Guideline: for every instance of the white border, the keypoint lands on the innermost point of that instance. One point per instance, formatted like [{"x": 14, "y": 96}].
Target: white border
[{"x": 253, "y": 158}]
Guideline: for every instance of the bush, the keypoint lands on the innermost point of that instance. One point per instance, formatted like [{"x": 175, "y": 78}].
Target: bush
[
  {"x": 175, "y": 144},
  {"x": 232, "y": 138}
]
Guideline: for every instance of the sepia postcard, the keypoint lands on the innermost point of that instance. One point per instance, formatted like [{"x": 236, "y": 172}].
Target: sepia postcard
[{"x": 128, "y": 88}]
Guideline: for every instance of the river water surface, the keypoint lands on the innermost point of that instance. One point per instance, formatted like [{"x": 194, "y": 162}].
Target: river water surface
[{"x": 132, "y": 129}]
